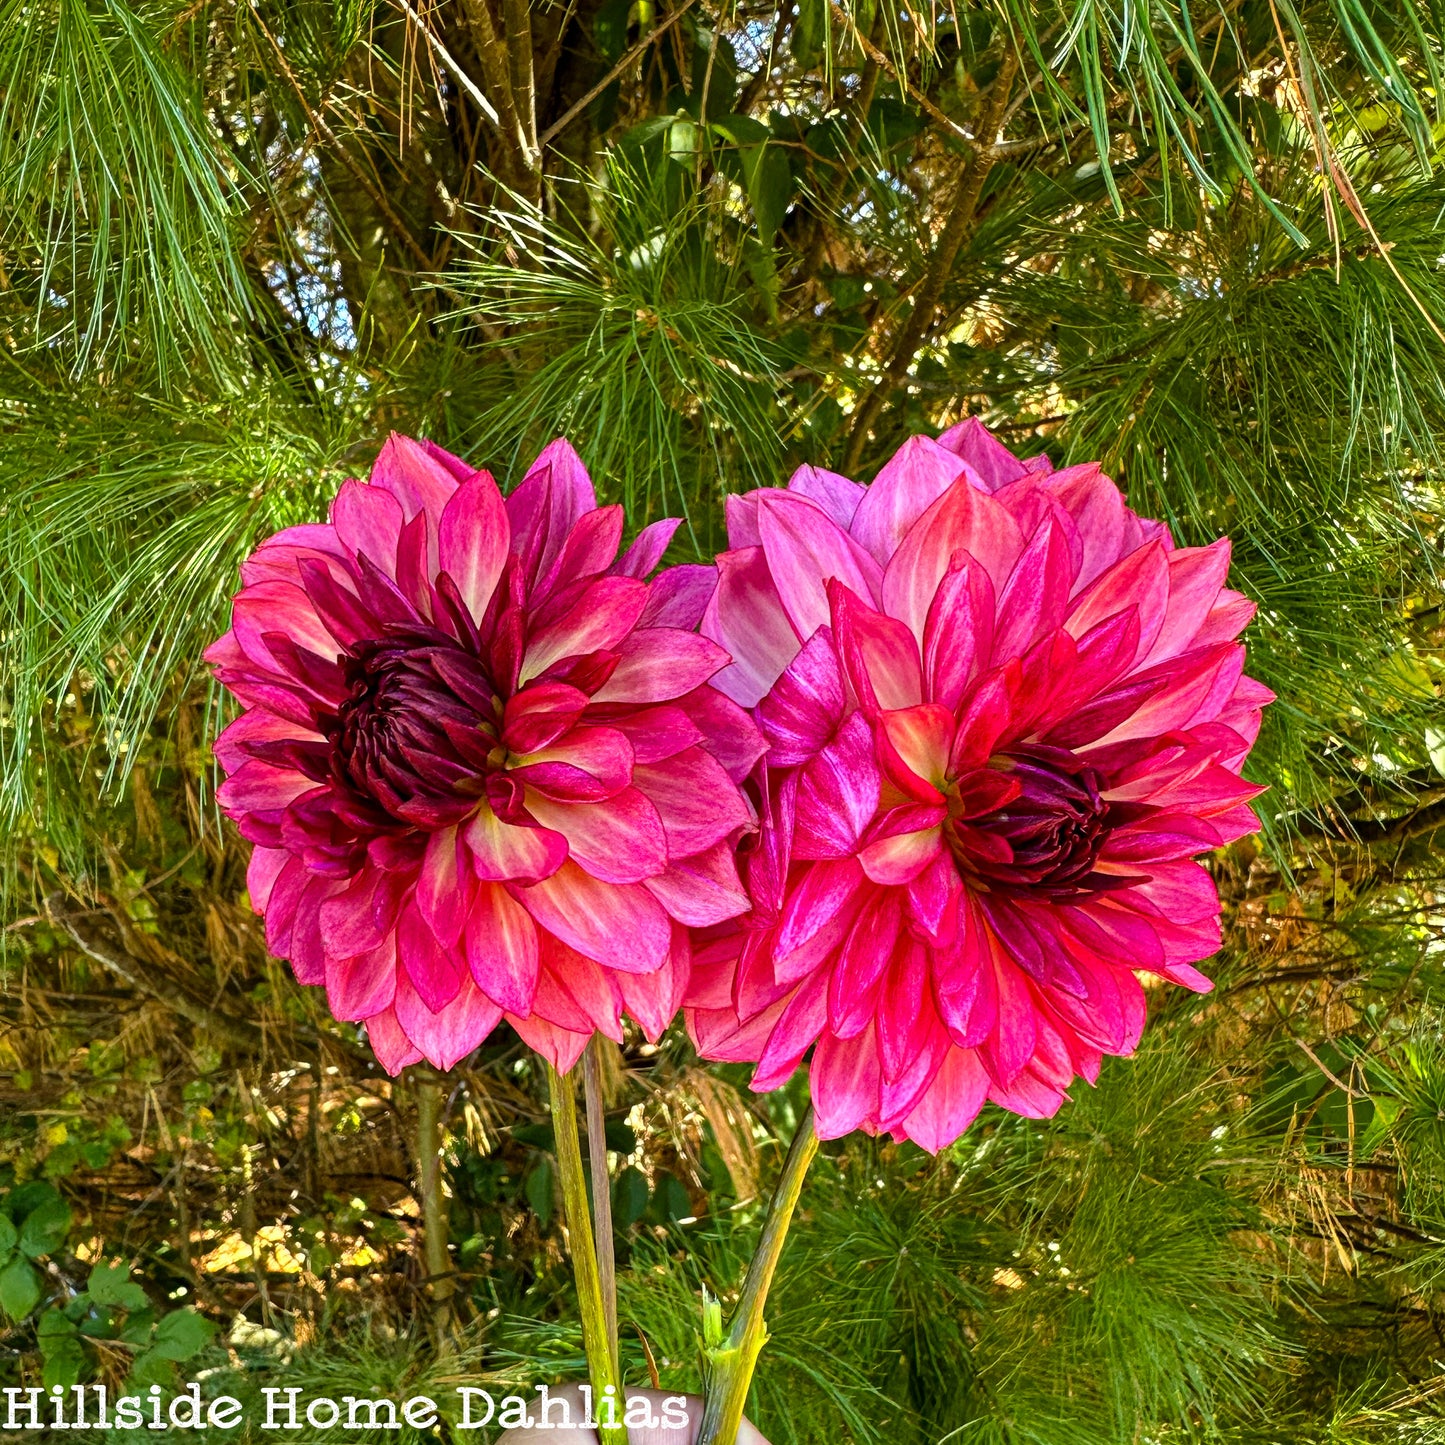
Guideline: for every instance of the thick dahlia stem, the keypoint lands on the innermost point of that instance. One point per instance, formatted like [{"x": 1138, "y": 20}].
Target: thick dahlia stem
[
  {"x": 435, "y": 1255},
  {"x": 601, "y": 1189},
  {"x": 731, "y": 1361},
  {"x": 606, "y": 1386}
]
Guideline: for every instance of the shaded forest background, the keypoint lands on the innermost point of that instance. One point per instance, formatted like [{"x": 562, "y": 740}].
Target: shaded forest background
[{"x": 241, "y": 242}]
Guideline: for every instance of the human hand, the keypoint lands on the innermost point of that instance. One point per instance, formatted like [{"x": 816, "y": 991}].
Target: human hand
[{"x": 656, "y": 1434}]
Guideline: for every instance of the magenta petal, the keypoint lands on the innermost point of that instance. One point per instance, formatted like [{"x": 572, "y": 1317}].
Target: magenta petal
[
  {"x": 605, "y": 613},
  {"x": 258, "y": 787},
  {"x": 448, "y": 1035},
  {"x": 745, "y": 617},
  {"x": 653, "y": 999},
  {"x": 865, "y": 959},
  {"x": 561, "y": 1047},
  {"x": 617, "y": 924},
  {"x": 1140, "y": 581},
  {"x": 824, "y": 893},
  {"x": 879, "y": 654},
  {"x": 806, "y": 550},
  {"x": 728, "y": 733},
  {"x": 957, "y": 633},
  {"x": 435, "y": 972},
  {"x": 368, "y": 520},
  {"x": 659, "y": 664},
  {"x": 908, "y": 484},
  {"x": 838, "y": 794},
  {"x": 1036, "y": 595},
  {"x": 416, "y": 478},
  {"x": 702, "y": 890},
  {"x": 642, "y": 557},
  {"x": 363, "y": 985},
  {"x": 501, "y": 949},
  {"x": 657, "y": 733},
  {"x": 538, "y": 715},
  {"x": 443, "y": 888},
  {"x": 963, "y": 524},
  {"x": 698, "y": 803},
  {"x": 586, "y": 765},
  {"x": 837, "y": 496},
  {"x": 799, "y": 1023},
  {"x": 393, "y": 1050},
  {"x": 844, "y": 1080},
  {"x": 803, "y": 709},
  {"x": 994, "y": 463},
  {"x": 473, "y": 540},
  {"x": 262, "y": 872},
  {"x": 284, "y": 609},
  {"x": 506, "y": 851},
  {"x": 950, "y": 1103},
  {"x": 679, "y": 597},
  {"x": 899, "y": 859},
  {"x": 620, "y": 840}
]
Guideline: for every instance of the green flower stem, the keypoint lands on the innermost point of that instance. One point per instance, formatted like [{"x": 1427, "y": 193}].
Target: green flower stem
[
  {"x": 601, "y": 1189},
  {"x": 435, "y": 1255},
  {"x": 600, "y": 1367},
  {"x": 732, "y": 1358}
]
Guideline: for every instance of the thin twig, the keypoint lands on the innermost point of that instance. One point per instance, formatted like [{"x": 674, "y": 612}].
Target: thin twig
[
  {"x": 558, "y": 126},
  {"x": 445, "y": 56}
]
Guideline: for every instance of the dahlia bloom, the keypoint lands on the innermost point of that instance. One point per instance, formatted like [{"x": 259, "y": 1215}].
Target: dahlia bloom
[
  {"x": 1004, "y": 715},
  {"x": 479, "y": 758}
]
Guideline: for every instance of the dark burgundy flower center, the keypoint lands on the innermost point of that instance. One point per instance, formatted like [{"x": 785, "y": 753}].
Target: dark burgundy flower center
[
  {"x": 419, "y": 734},
  {"x": 1043, "y": 840}
]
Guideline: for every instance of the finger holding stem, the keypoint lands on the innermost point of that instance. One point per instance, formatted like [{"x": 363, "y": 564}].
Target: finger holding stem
[
  {"x": 732, "y": 1359},
  {"x": 600, "y": 1367}
]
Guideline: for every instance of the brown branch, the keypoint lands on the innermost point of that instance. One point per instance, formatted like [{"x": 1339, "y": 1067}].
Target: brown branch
[
  {"x": 558, "y": 126},
  {"x": 930, "y": 291}
]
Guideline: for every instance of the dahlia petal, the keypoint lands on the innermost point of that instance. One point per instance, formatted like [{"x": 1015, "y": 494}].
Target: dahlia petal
[
  {"x": 1028, "y": 1095},
  {"x": 1140, "y": 580},
  {"x": 659, "y": 664},
  {"x": 931, "y": 899},
  {"x": 1010, "y": 1043},
  {"x": 837, "y": 496},
  {"x": 590, "y": 548},
  {"x": 799, "y": 1023},
  {"x": 950, "y": 1103},
  {"x": 447, "y": 1035},
  {"x": 393, "y": 1050},
  {"x": 538, "y": 715},
  {"x": 364, "y": 984},
  {"x": 307, "y": 952},
  {"x": 561, "y": 1047},
  {"x": 588, "y": 764},
  {"x": 417, "y": 477},
  {"x": 506, "y": 851},
  {"x": 906, "y": 1023},
  {"x": 258, "y": 787},
  {"x": 657, "y": 733},
  {"x": 1160, "y": 838},
  {"x": 965, "y": 985},
  {"x": 854, "y": 982},
  {"x": 1196, "y": 578},
  {"x": 436, "y": 972},
  {"x": 914, "y": 745},
  {"x": 958, "y": 633},
  {"x": 899, "y": 859},
  {"x": 745, "y": 617},
  {"x": 837, "y": 794},
  {"x": 617, "y": 924},
  {"x": 906, "y": 486},
  {"x": 473, "y": 541},
  {"x": 276, "y": 557},
  {"x": 728, "y": 733},
  {"x": 547, "y": 504},
  {"x": 620, "y": 840},
  {"x": 641, "y": 558},
  {"x": 368, "y": 520},
  {"x": 878, "y": 653},
  {"x": 1036, "y": 594},
  {"x": 279, "y": 607},
  {"x": 823, "y": 895},
  {"x": 501, "y": 949},
  {"x": 696, "y": 800},
  {"x": 744, "y": 523},
  {"x": 1099, "y": 515},
  {"x": 679, "y": 597},
  {"x": 984, "y": 717},
  {"x": 604, "y": 614},
  {"x": 1230, "y": 615},
  {"x": 964, "y": 524},
  {"x": 806, "y": 550},
  {"x": 802, "y": 711},
  {"x": 443, "y": 889},
  {"x": 844, "y": 1080},
  {"x": 702, "y": 890},
  {"x": 653, "y": 999},
  {"x": 994, "y": 463},
  {"x": 262, "y": 871}
]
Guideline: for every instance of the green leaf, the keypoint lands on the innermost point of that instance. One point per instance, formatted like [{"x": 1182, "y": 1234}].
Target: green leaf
[
  {"x": 1435, "y": 747},
  {"x": 769, "y": 185},
  {"x": 629, "y": 1198},
  {"x": 181, "y": 1335},
  {"x": 65, "y": 1365},
  {"x": 45, "y": 1228},
  {"x": 741, "y": 130},
  {"x": 111, "y": 1284},
  {"x": 810, "y": 30},
  {"x": 150, "y": 1367},
  {"x": 9, "y": 1236},
  {"x": 19, "y": 1202},
  {"x": 54, "y": 1325},
  {"x": 538, "y": 1189},
  {"x": 19, "y": 1289}
]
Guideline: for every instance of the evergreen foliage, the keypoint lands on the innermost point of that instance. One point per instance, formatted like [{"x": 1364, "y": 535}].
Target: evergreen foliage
[{"x": 239, "y": 243}]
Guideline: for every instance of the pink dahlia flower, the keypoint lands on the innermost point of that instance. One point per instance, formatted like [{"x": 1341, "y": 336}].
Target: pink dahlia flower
[
  {"x": 480, "y": 760},
  {"x": 1004, "y": 715}
]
